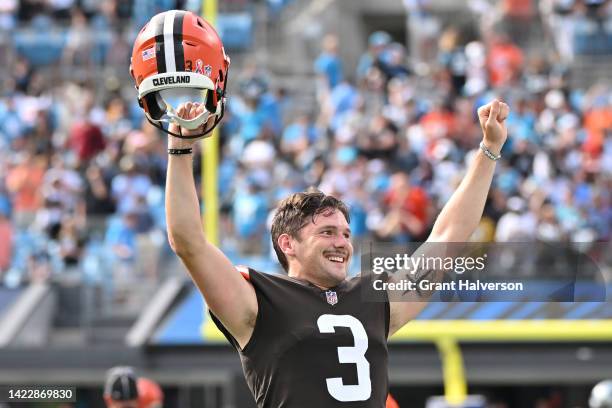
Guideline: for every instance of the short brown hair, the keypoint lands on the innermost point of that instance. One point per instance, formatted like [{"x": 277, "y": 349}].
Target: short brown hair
[{"x": 297, "y": 210}]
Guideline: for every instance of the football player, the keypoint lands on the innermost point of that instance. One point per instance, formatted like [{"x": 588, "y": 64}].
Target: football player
[{"x": 305, "y": 338}]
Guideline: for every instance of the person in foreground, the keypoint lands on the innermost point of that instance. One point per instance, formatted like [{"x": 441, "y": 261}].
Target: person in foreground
[
  {"x": 308, "y": 339},
  {"x": 123, "y": 389},
  {"x": 305, "y": 338},
  {"x": 120, "y": 388}
]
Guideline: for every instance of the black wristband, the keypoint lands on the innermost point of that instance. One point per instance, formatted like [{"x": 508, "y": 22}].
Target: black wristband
[{"x": 180, "y": 151}]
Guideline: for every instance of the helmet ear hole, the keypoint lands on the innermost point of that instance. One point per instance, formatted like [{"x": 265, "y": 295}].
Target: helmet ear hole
[
  {"x": 211, "y": 106},
  {"x": 153, "y": 104}
]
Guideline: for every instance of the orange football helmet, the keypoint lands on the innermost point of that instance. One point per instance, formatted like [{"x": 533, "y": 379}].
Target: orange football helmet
[
  {"x": 150, "y": 394},
  {"x": 390, "y": 403},
  {"x": 178, "y": 57}
]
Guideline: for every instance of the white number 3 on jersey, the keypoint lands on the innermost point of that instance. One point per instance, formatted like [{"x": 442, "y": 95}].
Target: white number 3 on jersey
[{"x": 355, "y": 355}]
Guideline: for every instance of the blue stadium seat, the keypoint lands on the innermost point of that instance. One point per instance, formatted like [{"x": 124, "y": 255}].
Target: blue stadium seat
[
  {"x": 103, "y": 40},
  {"x": 41, "y": 43},
  {"x": 275, "y": 7},
  {"x": 236, "y": 30}
]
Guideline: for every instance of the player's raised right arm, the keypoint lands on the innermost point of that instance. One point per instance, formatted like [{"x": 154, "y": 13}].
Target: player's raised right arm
[{"x": 228, "y": 295}]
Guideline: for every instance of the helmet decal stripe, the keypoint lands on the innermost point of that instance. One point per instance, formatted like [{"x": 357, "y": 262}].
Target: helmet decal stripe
[
  {"x": 169, "y": 41},
  {"x": 179, "y": 54},
  {"x": 160, "y": 54}
]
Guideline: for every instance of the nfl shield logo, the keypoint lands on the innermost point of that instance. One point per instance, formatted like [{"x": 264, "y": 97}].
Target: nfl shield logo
[
  {"x": 208, "y": 70},
  {"x": 332, "y": 297}
]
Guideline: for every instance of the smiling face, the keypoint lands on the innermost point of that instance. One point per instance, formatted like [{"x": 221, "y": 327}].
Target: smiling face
[{"x": 322, "y": 250}]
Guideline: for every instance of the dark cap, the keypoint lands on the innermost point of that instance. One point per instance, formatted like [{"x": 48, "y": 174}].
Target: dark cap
[{"x": 121, "y": 384}]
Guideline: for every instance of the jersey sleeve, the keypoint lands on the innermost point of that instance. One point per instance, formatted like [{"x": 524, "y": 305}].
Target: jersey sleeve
[
  {"x": 379, "y": 298},
  {"x": 223, "y": 330},
  {"x": 247, "y": 274}
]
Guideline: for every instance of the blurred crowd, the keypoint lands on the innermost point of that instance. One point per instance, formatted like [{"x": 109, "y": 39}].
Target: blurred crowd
[
  {"x": 82, "y": 173},
  {"x": 14, "y": 13},
  {"x": 82, "y": 33},
  {"x": 579, "y": 27},
  {"x": 394, "y": 143},
  {"x": 78, "y": 177}
]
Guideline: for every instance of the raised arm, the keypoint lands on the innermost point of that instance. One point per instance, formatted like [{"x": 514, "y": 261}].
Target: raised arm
[
  {"x": 228, "y": 295},
  {"x": 461, "y": 214}
]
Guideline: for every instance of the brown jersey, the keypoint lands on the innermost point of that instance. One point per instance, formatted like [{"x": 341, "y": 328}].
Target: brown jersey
[{"x": 315, "y": 348}]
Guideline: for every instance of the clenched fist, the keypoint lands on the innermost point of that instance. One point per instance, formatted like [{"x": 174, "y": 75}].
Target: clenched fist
[{"x": 492, "y": 117}]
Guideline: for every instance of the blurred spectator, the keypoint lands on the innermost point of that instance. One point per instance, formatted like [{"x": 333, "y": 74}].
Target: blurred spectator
[
  {"x": 392, "y": 62},
  {"x": 121, "y": 240},
  {"x": 559, "y": 21},
  {"x": 377, "y": 42},
  {"x": 477, "y": 77},
  {"x": 256, "y": 111},
  {"x": 516, "y": 225},
  {"x": 505, "y": 60},
  {"x": 380, "y": 140},
  {"x": 24, "y": 181},
  {"x": 61, "y": 9},
  {"x": 407, "y": 211},
  {"x": 299, "y": 140},
  {"x": 130, "y": 186},
  {"x": 12, "y": 126},
  {"x": 6, "y": 242},
  {"x": 343, "y": 99},
  {"x": 86, "y": 140},
  {"x": 39, "y": 267},
  {"x": 71, "y": 243},
  {"x": 30, "y": 8},
  {"x": 8, "y": 12},
  {"x": 518, "y": 19},
  {"x": 328, "y": 65},
  {"x": 548, "y": 229},
  {"x": 79, "y": 43},
  {"x": 120, "y": 387},
  {"x": 452, "y": 57},
  {"x": 250, "y": 211},
  {"x": 98, "y": 199},
  {"x": 424, "y": 28},
  {"x": 64, "y": 185}
]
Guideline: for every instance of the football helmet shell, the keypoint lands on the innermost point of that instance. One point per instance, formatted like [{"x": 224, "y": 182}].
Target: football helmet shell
[
  {"x": 179, "y": 49},
  {"x": 150, "y": 394}
]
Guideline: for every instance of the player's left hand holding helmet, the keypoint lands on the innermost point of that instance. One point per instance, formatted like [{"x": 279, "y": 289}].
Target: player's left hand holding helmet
[{"x": 178, "y": 61}]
